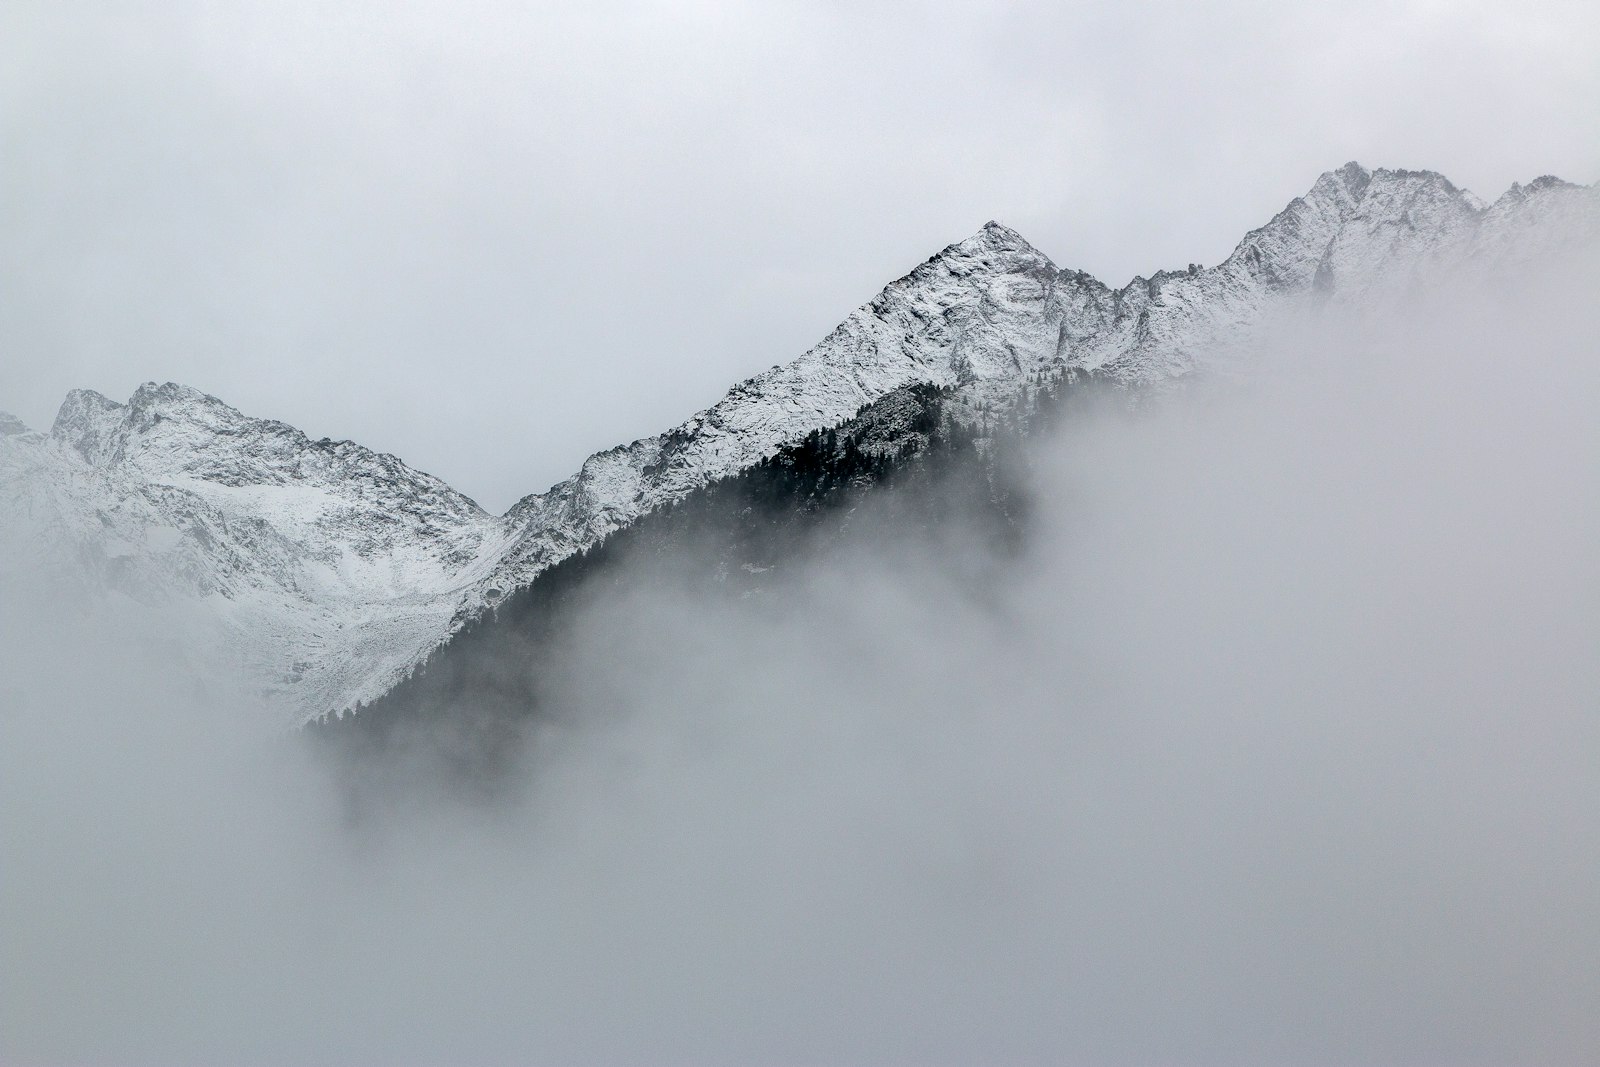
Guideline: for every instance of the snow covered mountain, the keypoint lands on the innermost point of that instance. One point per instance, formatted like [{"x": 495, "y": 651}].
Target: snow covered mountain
[
  {"x": 314, "y": 564},
  {"x": 328, "y": 571}
]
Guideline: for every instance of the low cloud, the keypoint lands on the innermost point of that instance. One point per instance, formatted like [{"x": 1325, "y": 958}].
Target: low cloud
[{"x": 1275, "y": 745}]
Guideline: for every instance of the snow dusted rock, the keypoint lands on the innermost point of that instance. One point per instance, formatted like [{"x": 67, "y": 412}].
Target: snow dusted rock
[
  {"x": 985, "y": 314},
  {"x": 374, "y": 524},
  {"x": 969, "y": 313},
  {"x": 323, "y": 563},
  {"x": 331, "y": 571}
]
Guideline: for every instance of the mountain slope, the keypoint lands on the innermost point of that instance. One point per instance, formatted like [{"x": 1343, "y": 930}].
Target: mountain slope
[{"x": 330, "y": 571}]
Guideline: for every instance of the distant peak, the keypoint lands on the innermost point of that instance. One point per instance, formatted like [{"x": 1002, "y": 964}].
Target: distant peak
[
  {"x": 996, "y": 237},
  {"x": 1519, "y": 193},
  {"x": 1538, "y": 185},
  {"x": 1549, "y": 181},
  {"x": 1353, "y": 189},
  {"x": 10, "y": 424},
  {"x": 165, "y": 394},
  {"x": 88, "y": 422},
  {"x": 999, "y": 233},
  {"x": 98, "y": 426},
  {"x": 1346, "y": 185},
  {"x": 88, "y": 398},
  {"x": 1356, "y": 178},
  {"x": 80, "y": 405}
]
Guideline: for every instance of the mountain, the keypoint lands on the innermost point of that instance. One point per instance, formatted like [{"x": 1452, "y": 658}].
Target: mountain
[
  {"x": 991, "y": 313},
  {"x": 315, "y": 564},
  {"x": 328, "y": 573}
]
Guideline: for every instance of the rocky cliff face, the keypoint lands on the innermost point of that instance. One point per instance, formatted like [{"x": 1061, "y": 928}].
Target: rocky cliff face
[{"x": 330, "y": 570}]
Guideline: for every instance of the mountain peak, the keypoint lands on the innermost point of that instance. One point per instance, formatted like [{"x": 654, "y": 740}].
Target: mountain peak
[
  {"x": 96, "y": 425},
  {"x": 994, "y": 243},
  {"x": 999, "y": 231},
  {"x": 1519, "y": 192},
  {"x": 1347, "y": 225},
  {"x": 1354, "y": 177},
  {"x": 1549, "y": 181},
  {"x": 78, "y": 400},
  {"x": 1348, "y": 188},
  {"x": 168, "y": 397},
  {"x": 994, "y": 234},
  {"x": 1342, "y": 189},
  {"x": 88, "y": 422},
  {"x": 10, "y": 424}
]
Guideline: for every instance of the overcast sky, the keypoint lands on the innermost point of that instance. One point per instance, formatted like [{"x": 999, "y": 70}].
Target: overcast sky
[{"x": 493, "y": 238}]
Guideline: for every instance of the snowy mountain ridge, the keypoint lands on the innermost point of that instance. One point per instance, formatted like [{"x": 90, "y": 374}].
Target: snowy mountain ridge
[
  {"x": 321, "y": 561},
  {"x": 332, "y": 570},
  {"x": 984, "y": 313}
]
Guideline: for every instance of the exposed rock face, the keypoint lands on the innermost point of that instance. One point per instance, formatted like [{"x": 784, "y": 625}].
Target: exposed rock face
[{"x": 332, "y": 570}]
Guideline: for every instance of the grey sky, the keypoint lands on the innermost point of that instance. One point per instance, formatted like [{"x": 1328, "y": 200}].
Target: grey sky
[{"x": 494, "y": 238}]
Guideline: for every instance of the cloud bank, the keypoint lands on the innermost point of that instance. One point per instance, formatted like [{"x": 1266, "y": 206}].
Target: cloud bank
[{"x": 1276, "y": 746}]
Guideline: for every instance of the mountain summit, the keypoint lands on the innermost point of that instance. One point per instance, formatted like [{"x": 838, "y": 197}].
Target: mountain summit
[{"x": 332, "y": 571}]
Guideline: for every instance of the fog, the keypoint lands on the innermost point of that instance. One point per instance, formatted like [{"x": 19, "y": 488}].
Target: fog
[{"x": 1277, "y": 745}]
